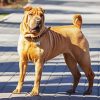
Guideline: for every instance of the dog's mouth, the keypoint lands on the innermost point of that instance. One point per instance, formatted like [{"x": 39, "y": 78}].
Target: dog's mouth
[
  {"x": 35, "y": 29},
  {"x": 34, "y": 32}
]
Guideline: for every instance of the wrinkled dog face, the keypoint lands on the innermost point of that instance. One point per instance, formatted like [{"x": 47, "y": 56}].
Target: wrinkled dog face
[{"x": 35, "y": 19}]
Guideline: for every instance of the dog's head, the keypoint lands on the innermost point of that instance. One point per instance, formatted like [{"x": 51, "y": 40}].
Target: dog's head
[{"x": 33, "y": 21}]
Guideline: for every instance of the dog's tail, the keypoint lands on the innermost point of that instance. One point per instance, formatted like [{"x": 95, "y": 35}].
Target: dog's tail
[{"x": 77, "y": 20}]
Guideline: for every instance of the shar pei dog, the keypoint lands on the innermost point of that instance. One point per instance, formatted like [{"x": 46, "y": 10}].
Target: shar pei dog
[{"x": 38, "y": 44}]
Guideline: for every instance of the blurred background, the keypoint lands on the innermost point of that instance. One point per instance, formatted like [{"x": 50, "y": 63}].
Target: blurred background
[
  {"x": 12, "y": 3},
  {"x": 8, "y": 6},
  {"x": 57, "y": 8}
]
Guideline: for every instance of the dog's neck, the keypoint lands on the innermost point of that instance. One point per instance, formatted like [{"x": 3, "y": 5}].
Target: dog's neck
[{"x": 43, "y": 31}]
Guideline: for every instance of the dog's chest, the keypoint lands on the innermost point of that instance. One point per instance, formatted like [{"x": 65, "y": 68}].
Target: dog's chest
[
  {"x": 29, "y": 50},
  {"x": 34, "y": 52}
]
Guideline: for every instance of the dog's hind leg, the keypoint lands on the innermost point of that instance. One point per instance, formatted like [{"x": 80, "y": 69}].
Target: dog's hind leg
[
  {"x": 86, "y": 67},
  {"x": 22, "y": 68},
  {"x": 72, "y": 65}
]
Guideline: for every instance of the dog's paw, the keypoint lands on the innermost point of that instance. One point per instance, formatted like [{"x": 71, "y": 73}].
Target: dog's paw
[
  {"x": 16, "y": 91},
  {"x": 88, "y": 92},
  {"x": 71, "y": 91},
  {"x": 33, "y": 93}
]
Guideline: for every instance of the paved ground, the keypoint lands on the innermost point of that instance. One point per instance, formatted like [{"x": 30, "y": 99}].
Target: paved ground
[{"x": 56, "y": 78}]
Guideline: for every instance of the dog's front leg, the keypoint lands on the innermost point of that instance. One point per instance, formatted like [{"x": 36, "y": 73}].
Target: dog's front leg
[
  {"x": 38, "y": 73},
  {"x": 22, "y": 67}
]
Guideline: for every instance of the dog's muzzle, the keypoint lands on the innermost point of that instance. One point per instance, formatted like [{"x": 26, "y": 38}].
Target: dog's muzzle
[{"x": 37, "y": 25}]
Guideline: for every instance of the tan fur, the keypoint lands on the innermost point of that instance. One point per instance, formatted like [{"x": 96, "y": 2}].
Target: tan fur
[
  {"x": 77, "y": 20},
  {"x": 66, "y": 40}
]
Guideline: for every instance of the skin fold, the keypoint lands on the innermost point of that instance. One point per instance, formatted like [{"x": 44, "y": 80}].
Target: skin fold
[{"x": 67, "y": 40}]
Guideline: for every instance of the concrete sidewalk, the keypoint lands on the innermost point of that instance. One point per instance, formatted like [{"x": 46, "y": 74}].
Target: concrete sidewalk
[{"x": 56, "y": 78}]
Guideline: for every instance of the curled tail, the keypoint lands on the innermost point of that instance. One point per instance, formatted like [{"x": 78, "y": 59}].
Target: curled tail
[{"x": 77, "y": 20}]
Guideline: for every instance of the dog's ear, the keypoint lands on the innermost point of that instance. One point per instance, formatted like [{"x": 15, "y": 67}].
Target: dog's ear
[
  {"x": 42, "y": 9},
  {"x": 27, "y": 8}
]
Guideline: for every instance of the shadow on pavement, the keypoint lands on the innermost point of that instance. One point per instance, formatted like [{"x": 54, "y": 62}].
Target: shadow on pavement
[{"x": 8, "y": 49}]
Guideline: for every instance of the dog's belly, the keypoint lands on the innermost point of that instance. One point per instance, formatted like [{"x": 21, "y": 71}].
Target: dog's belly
[{"x": 53, "y": 55}]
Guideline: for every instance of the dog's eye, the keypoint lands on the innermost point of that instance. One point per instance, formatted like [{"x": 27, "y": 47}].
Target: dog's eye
[
  {"x": 30, "y": 14},
  {"x": 41, "y": 14}
]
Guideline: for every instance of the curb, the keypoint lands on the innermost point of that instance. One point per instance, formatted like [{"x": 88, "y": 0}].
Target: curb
[
  {"x": 4, "y": 10},
  {"x": 6, "y": 17}
]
